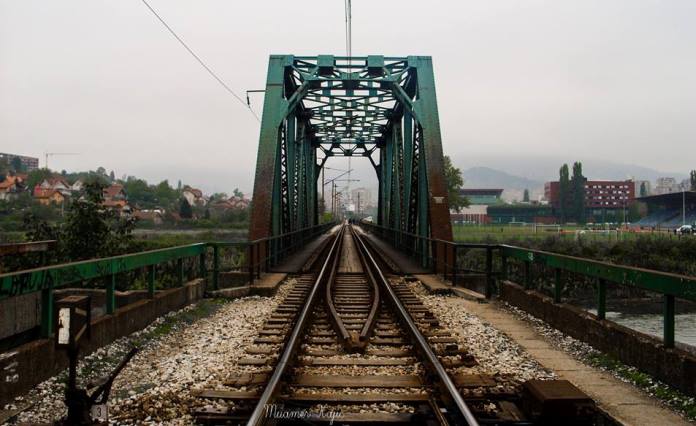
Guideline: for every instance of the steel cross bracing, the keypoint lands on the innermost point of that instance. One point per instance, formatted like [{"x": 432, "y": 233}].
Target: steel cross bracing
[{"x": 382, "y": 108}]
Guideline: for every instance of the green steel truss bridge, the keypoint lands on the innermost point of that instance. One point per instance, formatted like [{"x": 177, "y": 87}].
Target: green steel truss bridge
[{"x": 380, "y": 108}]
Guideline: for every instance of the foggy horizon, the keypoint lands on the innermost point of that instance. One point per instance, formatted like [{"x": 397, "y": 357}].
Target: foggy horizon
[{"x": 613, "y": 81}]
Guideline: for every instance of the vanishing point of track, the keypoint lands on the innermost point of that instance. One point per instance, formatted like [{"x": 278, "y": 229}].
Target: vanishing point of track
[{"x": 346, "y": 337}]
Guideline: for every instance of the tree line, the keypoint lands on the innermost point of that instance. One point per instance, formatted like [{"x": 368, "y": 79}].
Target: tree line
[{"x": 571, "y": 194}]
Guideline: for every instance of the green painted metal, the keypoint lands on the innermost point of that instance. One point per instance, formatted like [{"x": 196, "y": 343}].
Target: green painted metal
[
  {"x": 668, "y": 321},
  {"x": 671, "y": 286},
  {"x": 202, "y": 271},
  {"x": 382, "y": 108},
  {"x": 151, "y": 279},
  {"x": 32, "y": 280},
  {"x": 661, "y": 282},
  {"x": 180, "y": 271},
  {"x": 601, "y": 299},
  {"x": 216, "y": 267},
  {"x": 111, "y": 294}
]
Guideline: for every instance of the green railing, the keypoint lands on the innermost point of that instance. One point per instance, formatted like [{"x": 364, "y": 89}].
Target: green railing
[
  {"x": 539, "y": 268},
  {"x": 536, "y": 269},
  {"x": 252, "y": 257}
]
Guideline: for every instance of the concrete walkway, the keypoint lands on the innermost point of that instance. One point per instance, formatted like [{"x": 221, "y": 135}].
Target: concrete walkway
[{"x": 621, "y": 400}]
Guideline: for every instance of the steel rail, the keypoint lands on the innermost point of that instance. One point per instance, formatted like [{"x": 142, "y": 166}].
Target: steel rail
[
  {"x": 353, "y": 342},
  {"x": 422, "y": 344},
  {"x": 339, "y": 326},
  {"x": 366, "y": 331},
  {"x": 257, "y": 416}
]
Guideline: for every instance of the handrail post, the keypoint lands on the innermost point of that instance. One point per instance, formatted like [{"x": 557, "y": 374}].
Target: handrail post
[
  {"x": 250, "y": 263},
  {"x": 447, "y": 265},
  {"x": 111, "y": 292},
  {"x": 504, "y": 266},
  {"x": 668, "y": 330},
  {"x": 434, "y": 256},
  {"x": 455, "y": 252},
  {"x": 216, "y": 266},
  {"x": 47, "y": 311},
  {"x": 602, "y": 299},
  {"x": 557, "y": 285},
  {"x": 489, "y": 272},
  {"x": 180, "y": 271},
  {"x": 151, "y": 281},
  {"x": 201, "y": 266},
  {"x": 527, "y": 275}
]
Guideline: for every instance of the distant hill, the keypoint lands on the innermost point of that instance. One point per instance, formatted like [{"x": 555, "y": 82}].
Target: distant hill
[
  {"x": 486, "y": 177},
  {"x": 542, "y": 169}
]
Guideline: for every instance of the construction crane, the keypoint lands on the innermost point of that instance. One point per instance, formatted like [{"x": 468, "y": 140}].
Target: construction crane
[{"x": 51, "y": 154}]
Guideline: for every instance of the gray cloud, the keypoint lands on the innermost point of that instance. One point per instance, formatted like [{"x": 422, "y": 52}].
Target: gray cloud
[{"x": 611, "y": 79}]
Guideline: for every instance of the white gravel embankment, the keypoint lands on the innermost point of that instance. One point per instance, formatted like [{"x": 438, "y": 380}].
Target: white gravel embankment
[
  {"x": 157, "y": 385},
  {"x": 494, "y": 351}
]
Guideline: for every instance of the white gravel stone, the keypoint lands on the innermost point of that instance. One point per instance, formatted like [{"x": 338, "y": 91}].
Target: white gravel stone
[{"x": 157, "y": 385}]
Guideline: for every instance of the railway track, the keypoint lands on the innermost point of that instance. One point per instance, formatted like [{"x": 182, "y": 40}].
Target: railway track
[{"x": 352, "y": 345}]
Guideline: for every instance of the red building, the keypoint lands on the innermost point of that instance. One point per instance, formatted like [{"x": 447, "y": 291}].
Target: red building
[{"x": 599, "y": 194}]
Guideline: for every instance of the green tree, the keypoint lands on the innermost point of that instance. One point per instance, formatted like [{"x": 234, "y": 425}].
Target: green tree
[
  {"x": 37, "y": 176},
  {"x": 578, "y": 193},
  {"x": 92, "y": 231},
  {"x": 17, "y": 165},
  {"x": 185, "y": 210},
  {"x": 237, "y": 193},
  {"x": 643, "y": 190},
  {"x": 692, "y": 176},
  {"x": 89, "y": 230},
  {"x": 564, "y": 193},
  {"x": 218, "y": 196},
  {"x": 525, "y": 196},
  {"x": 455, "y": 182}
]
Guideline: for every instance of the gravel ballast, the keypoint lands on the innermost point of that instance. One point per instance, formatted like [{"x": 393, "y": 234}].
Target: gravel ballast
[{"x": 158, "y": 385}]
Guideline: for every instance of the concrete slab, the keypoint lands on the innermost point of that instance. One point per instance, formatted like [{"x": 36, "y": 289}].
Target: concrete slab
[
  {"x": 267, "y": 284},
  {"x": 623, "y": 401},
  {"x": 231, "y": 292},
  {"x": 350, "y": 259},
  {"x": 405, "y": 264},
  {"x": 296, "y": 261},
  {"x": 434, "y": 284}
]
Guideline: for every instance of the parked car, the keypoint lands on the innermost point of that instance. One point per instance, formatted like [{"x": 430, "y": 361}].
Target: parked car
[{"x": 685, "y": 229}]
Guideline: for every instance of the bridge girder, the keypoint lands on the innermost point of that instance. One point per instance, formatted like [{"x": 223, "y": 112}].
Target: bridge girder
[{"x": 383, "y": 108}]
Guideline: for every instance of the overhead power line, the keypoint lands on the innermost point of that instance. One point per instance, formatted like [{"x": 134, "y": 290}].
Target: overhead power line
[{"x": 200, "y": 61}]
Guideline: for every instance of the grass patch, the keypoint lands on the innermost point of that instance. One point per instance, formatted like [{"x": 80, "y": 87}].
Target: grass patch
[
  {"x": 202, "y": 309},
  {"x": 670, "y": 396}
]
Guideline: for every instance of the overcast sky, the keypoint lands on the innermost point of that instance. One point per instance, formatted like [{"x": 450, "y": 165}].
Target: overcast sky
[{"x": 610, "y": 78}]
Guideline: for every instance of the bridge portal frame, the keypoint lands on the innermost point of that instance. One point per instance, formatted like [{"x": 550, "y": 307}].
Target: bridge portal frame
[{"x": 382, "y": 108}]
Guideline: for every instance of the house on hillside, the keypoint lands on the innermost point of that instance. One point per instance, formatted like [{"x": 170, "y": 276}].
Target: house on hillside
[
  {"x": 155, "y": 216},
  {"x": 56, "y": 183},
  {"x": 115, "y": 198},
  {"x": 11, "y": 187},
  {"x": 48, "y": 196},
  {"x": 220, "y": 207},
  {"x": 77, "y": 186},
  {"x": 194, "y": 196}
]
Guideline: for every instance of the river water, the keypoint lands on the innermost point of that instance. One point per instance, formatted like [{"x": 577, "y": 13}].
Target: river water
[{"x": 685, "y": 325}]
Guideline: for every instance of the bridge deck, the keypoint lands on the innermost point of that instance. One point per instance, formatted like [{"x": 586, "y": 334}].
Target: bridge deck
[
  {"x": 403, "y": 262},
  {"x": 294, "y": 262},
  {"x": 621, "y": 400}
]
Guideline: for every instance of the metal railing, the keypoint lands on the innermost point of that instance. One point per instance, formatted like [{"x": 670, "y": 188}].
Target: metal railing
[
  {"x": 178, "y": 263},
  {"x": 536, "y": 269}
]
